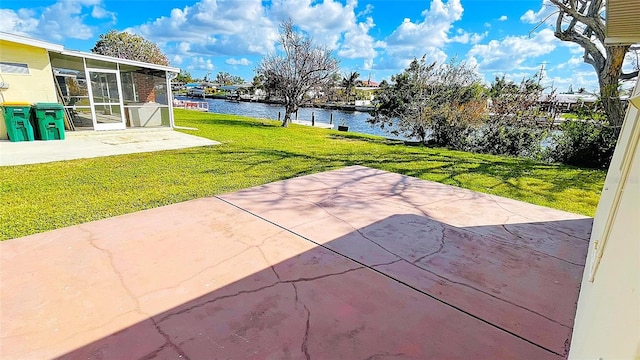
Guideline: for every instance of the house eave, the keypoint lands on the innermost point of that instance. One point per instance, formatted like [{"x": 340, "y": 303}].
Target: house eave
[
  {"x": 622, "y": 22},
  {"x": 93, "y": 56},
  {"x": 19, "y": 39}
]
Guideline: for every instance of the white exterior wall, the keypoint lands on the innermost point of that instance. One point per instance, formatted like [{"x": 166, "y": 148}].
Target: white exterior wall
[{"x": 607, "y": 324}]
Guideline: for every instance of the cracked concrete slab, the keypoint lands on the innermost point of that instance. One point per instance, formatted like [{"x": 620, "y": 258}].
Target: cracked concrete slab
[{"x": 355, "y": 263}]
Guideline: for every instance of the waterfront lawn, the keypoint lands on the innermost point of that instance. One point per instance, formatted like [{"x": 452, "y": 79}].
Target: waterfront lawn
[{"x": 43, "y": 197}]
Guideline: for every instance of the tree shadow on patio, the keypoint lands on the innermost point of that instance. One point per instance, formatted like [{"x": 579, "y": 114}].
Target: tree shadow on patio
[{"x": 362, "y": 273}]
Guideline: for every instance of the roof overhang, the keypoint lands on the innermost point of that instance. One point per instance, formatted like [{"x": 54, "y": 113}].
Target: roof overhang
[
  {"x": 87, "y": 55},
  {"x": 623, "y": 22},
  {"x": 29, "y": 41},
  {"x": 93, "y": 56}
]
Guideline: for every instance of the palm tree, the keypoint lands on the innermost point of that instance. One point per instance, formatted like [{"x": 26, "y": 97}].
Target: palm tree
[{"x": 349, "y": 82}]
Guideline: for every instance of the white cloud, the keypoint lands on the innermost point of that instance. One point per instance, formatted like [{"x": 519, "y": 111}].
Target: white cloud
[
  {"x": 333, "y": 24},
  {"x": 235, "y": 62},
  {"x": 99, "y": 12},
  {"x": 516, "y": 77},
  {"x": 359, "y": 44},
  {"x": 464, "y": 37},
  {"x": 631, "y": 61},
  {"x": 582, "y": 79},
  {"x": 535, "y": 17},
  {"x": 428, "y": 35},
  {"x": 509, "y": 53},
  {"x": 215, "y": 27},
  {"x": 176, "y": 60},
  {"x": 574, "y": 48},
  {"x": 183, "y": 47},
  {"x": 367, "y": 10},
  {"x": 575, "y": 61},
  {"x": 325, "y": 21},
  {"x": 247, "y": 27},
  {"x": 503, "y": 18},
  {"x": 20, "y": 22},
  {"x": 64, "y": 19},
  {"x": 200, "y": 63},
  {"x": 476, "y": 38}
]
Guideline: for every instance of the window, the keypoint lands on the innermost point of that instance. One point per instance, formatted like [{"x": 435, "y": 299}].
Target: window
[{"x": 14, "y": 68}]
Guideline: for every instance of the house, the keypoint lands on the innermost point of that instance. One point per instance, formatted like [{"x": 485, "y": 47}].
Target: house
[
  {"x": 98, "y": 92},
  {"x": 370, "y": 83},
  {"x": 567, "y": 102},
  {"x": 607, "y": 323}
]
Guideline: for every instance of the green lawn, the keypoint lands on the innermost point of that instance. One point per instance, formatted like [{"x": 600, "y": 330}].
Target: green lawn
[{"x": 42, "y": 197}]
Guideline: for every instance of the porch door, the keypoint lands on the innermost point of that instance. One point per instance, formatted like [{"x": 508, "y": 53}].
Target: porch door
[{"x": 106, "y": 99}]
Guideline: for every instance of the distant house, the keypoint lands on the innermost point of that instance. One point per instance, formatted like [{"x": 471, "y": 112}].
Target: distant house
[
  {"x": 98, "y": 92},
  {"x": 370, "y": 83},
  {"x": 567, "y": 102},
  {"x": 196, "y": 91},
  {"x": 366, "y": 94}
]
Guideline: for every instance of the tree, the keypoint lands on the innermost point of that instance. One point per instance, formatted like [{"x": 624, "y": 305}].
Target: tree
[
  {"x": 271, "y": 85},
  {"x": 349, "y": 82},
  {"x": 224, "y": 78},
  {"x": 258, "y": 83},
  {"x": 235, "y": 79},
  {"x": 129, "y": 46},
  {"x": 425, "y": 97},
  {"x": 329, "y": 88},
  {"x": 515, "y": 113},
  {"x": 184, "y": 76},
  {"x": 299, "y": 66},
  {"x": 582, "y": 22},
  {"x": 513, "y": 103}
]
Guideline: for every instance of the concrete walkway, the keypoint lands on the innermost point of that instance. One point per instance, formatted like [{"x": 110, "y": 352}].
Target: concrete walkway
[
  {"x": 348, "y": 264},
  {"x": 90, "y": 144}
]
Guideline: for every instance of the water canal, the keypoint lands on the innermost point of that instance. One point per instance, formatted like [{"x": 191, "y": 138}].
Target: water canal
[{"x": 355, "y": 120}]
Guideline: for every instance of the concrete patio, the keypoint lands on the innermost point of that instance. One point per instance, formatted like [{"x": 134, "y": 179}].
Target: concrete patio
[
  {"x": 355, "y": 263},
  {"x": 90, "y": 144}
]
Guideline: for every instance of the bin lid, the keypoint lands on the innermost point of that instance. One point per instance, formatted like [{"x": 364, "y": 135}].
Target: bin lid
[
  {"x": 16, "y": 103},
  {"x": 48, "y": 106}
]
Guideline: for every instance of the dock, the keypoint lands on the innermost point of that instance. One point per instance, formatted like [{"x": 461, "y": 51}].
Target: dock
[{"x": 317, "y": 124}]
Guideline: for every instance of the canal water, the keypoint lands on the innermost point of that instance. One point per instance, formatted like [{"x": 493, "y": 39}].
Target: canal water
[{"x": 355, "y": 120}]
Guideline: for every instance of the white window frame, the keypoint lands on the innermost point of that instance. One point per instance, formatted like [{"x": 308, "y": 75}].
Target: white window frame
[{"x": 15, "y": 65}]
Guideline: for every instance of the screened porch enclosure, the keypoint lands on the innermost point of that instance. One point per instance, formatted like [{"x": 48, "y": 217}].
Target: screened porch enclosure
[{"x": 100, "y": 94}]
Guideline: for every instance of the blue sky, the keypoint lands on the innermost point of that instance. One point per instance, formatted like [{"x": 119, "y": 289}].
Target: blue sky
[{"x": 376, "y": 38}]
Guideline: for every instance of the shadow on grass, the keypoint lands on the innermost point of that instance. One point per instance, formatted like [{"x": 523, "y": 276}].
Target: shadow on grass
[
  {"x": 519, "y": 178},
  {"x": 367, "y": 138},
  {"x": 426, "y": 166},
  {"x": 238, "y": 122}
]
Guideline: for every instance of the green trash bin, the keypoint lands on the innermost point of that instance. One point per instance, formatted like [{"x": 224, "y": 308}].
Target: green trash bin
[
  {"x": 49, "y": 121},
  {"x": 17, "y": 119}
]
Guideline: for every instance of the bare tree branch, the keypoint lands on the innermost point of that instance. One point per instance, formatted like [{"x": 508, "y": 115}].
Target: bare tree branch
[
  {"x": 629, "y": 76},
  {"x": 581, "y": 22},
  {"x": 299, "y": 67}
]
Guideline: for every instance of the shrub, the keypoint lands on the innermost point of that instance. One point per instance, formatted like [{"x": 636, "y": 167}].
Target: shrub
[
  {"x": 427, "y": 98},
  {"x": 502, "y": 139},
  {"x": 584, "y": 143},
  {"x": 451, "y": 132}
]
